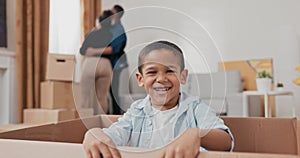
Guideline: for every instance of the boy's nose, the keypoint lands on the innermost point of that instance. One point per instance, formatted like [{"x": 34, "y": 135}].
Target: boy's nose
[{"x": 161, "y": 77}]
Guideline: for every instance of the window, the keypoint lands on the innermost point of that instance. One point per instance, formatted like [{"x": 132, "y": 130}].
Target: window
[
  {"x": 3, "y": 30},
  {"x": 65, "y": 27}
]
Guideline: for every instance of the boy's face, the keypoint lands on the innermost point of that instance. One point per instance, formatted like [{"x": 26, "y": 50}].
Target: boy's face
[{"x": 161, "y": 77}]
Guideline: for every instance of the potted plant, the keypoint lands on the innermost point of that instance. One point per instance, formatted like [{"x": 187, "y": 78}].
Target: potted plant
[
  {"x": 279, "y": 86},
  {"x": 263, "y": 81}
]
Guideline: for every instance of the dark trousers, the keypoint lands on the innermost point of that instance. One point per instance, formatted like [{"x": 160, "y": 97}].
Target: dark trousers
[{"x": 114, "y": 92}]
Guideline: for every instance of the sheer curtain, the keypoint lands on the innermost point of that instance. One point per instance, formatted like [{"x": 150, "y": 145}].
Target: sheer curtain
[
  {"x": 65, "y": 26},
  {"x": 91, "y": 9},
  {"x": 32, "y": 17}
]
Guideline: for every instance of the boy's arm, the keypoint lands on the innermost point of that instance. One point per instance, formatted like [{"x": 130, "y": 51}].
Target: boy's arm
[
  {"x": 104, "y": 141},
  {"x": 185, "y": 145},
  {"x": 215, "y": 139},
  {"x": 121, "y": 131},
  {"x": 188, "y": 143},
  {"x": 96, "y": 144},
  {"x": 213, "y": 130}
]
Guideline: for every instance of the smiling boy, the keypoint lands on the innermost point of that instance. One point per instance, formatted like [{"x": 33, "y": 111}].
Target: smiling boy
[{"x": 166, "y": 117}]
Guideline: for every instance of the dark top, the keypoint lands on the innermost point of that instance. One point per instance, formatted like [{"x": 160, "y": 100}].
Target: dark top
[
  {"x": 118, "y": 56},
  {"x": 99, "y": 38}
]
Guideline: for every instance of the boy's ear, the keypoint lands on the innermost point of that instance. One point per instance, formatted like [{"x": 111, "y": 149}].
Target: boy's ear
[
  {"x": 183, "y": 76},
  {"x": 140, "y": 79}
]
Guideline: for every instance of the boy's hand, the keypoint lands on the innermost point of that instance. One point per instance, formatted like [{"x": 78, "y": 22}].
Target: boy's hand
[
  {"x": 186, "y": 145},
  {"x": 97, "y": 144}
]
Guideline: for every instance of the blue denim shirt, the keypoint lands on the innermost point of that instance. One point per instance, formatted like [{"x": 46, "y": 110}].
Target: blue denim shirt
[
  {"x": 119, "y": 39},
  {"x": 135, "y": 128}
]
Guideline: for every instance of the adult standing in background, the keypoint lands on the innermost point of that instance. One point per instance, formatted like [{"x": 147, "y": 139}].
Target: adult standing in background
[
  {"x": 118, "y": 56},
  {"x": 97, "y": 70}
]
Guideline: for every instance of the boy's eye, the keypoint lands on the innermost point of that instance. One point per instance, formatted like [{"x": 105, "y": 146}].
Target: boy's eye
[
  {"x": 151, "y": 72},
  {"x": 170, "y": 71}
]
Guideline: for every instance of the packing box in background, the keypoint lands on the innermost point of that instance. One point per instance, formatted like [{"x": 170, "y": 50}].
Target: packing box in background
[
  {"x": 55, "y": 115},
  {"x": 60, "y": 67},
  {"x": 56, "y": 95},
  {"x": 255, "y": 135},
  {"x": 47, "y": 115},
  {"x": 83, "y": 112}
]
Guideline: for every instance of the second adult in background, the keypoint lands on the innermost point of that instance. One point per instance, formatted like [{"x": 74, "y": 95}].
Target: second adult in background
[
  {"x": 118, "y": 56},
  {"x": 97, "y": 70}
]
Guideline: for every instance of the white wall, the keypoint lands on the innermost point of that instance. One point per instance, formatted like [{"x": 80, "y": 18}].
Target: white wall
[
  {"x": 8, "y": 99},
  {"x": 210, "y": 31}
]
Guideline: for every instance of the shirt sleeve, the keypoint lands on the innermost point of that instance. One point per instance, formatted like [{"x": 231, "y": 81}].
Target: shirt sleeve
[
  {"x": 121, "y": 130},
  {"x": 207, "y": 119},
  {"x": 118, "y": 44}
]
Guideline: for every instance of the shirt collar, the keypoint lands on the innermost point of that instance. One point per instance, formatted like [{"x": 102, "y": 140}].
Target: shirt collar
[{"x": 183, "y": 104}]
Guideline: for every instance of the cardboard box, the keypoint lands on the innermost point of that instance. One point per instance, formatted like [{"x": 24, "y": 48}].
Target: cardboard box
[
  {"x": 47, "y": 115},
  {"x": 60, "y": 67},
  {"x": 34, "y": 116},
  {"x": 265, "y": 135},
  {"x": 129, "y": 152},
  {"x": 57, "y": 95},
  {"x": 12, "y": 127},
  {"x": 67, "y": 131},
  {"x": 37, "y": 149},
  {"x": 259, "y": 136},
  {"x": 84, "y": 112}
]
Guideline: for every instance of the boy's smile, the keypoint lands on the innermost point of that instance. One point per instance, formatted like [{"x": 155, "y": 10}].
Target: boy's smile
[{"x": 161, "y": 77}]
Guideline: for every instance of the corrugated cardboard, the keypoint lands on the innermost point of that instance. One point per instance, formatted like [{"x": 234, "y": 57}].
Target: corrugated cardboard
[
  {"x": 257, "y": 135},
  {"x": 34, "y": 116},
  {"x": 57, "y": 95},
  {"x": 37, "y": 149},
  {"x": 12, "y": 127},
  {"x": 47, "y": 115},
  {"x": 66, "y": 131},
  {"x": 265, "y": 135},
  {"x": 60, "y": 67},
  {"x": 129, "y": 152}
]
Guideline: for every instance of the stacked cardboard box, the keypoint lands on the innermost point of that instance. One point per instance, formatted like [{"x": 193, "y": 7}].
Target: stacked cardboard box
[
  {"x": 60, "y": 67},
  {"x": 57, "y": 101}
]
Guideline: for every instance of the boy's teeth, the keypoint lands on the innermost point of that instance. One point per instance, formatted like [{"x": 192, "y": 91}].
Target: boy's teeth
[{"x": 161, "y": 89}]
